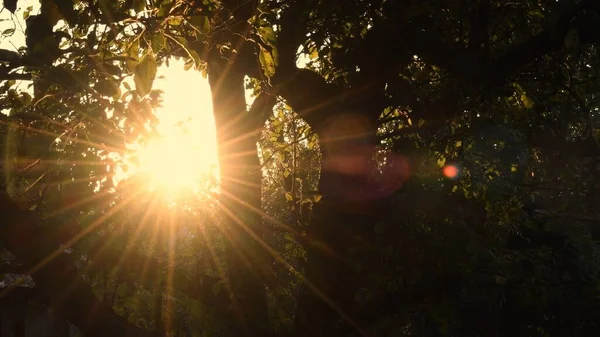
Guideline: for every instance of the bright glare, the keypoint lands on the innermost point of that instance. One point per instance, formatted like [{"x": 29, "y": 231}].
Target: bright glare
[
  {"x": 185, "y": 156},
  {"x": 173, "y": 162}
]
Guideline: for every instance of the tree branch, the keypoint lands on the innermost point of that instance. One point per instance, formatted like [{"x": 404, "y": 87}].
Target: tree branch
[
  {"x": 259, "y": 112},
  {"x": 456, "y": 59}
]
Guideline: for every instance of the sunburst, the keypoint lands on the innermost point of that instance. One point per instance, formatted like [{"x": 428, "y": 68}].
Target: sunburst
[{"x": 184, "y": 155}]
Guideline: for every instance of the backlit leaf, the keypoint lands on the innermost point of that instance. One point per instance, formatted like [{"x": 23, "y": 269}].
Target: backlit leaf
[
  {"x": 201, "y": 23},
  {"x": 267, "y": 62},
  {"x": 527, "y": 102},
  {"x": 145, "y": 72},
  {"x": 268, "y": 35},
  {"x": 158, "y": 42}
]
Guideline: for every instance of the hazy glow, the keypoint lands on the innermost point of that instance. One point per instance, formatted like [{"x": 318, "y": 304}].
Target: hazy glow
[
  {"x": 185, "y": 155},
  {"x": 450, "y": 171}
]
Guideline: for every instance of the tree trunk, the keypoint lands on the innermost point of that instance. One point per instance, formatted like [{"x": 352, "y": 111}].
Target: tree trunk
[
  {"x": 247, "y": 263},
  {"x": 345, "y": 215}
]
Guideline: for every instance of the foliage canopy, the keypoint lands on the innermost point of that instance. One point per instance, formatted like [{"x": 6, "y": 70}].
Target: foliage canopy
[{"x": 334, "y": 217}]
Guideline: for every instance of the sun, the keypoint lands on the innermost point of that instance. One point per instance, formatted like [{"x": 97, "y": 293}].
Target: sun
[
  {"x": 173, "y": 162},
  {"x": 184, "y": 156}
]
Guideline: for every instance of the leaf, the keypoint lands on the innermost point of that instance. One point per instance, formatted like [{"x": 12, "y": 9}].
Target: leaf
[
  {"x": 267, "y": 62},
  {"x": 132, "y": 59},
  {"x": 165, "y": 8},
  {"x": 109, "y": 68},
  {"x": 158, "y": 42},
  {"x": 25, "y": 98},
  {"x": 288, "y": 196},
  {"x": 108, "y": 88},
  {"x": 192, "y": 53},
  {"x": 123, "y": 290},
  {"x": 527, "y": 102},
  {"x": 188, "y": 65},
  {"x": 139, "y": 5},
  {"x": 8, "y": 32},
  {"x": 318, "y": 198},
  {"x": 201, "y": 23},
  {"x": 267, "y": 34},
  {"x": 27, "y": 12},
  {"x": 11, "y": 5},
  {"x": 145, "y": 73},
  {"x": 51, "y": 11},
  {"x": 197, "y": 61},
  {"x": 175, "y": 20},
  {"x": 572, "y": 40}
]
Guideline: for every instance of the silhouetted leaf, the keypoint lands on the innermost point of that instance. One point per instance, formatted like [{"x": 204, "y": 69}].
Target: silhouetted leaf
[{"x": 11, "y": 5}]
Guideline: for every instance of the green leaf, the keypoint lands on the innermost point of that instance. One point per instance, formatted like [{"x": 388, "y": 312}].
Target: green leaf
[
  {"x": 175, "y": 20},
  {"x": 165, "y": 8},
  {"x": 267, "y": 34},
  {"x": 267, "y": 62},
  {"x": 314, "y": 53},
  {"x": 158, "y": 42},
  {"x": 288, "y": 196},
  {"x": 139, "y": 5},
  {"x": 8, "y": 32},
  {"x": 527, "y": 102},
  {"x": 108, "y": 88},
  {"x": 145, "y": 72},
  {"x": 27, "y": 12},
  {"x": 132, "y": 59},
  {"x": 201, "y": 23}
]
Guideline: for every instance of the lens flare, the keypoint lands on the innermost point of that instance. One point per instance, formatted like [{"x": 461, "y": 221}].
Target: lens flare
[{"x": 450, "y": 171}]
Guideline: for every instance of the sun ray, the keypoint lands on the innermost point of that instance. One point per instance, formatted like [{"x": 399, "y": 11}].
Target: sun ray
[
  {"x": 182, "y": 157},
  {"x": 292, "y": 269},
  {"x": 133, "y": 238},
  {"x": 57, "y": 252}
]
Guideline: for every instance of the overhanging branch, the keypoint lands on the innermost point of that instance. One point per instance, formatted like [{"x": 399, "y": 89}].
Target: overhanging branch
[{"x": 458, "y": 60}]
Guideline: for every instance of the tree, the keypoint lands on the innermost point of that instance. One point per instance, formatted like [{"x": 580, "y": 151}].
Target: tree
[{"x": 501, "y": 94}]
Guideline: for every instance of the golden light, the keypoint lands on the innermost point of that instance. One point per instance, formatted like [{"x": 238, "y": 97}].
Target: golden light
[
  {"x": 184, "y": 157},
  {"x": 173, "y": 163}
]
